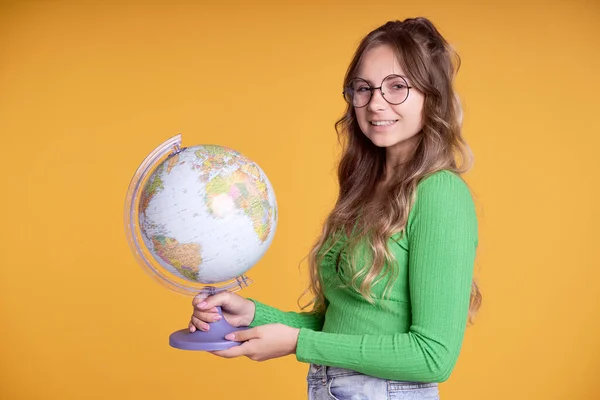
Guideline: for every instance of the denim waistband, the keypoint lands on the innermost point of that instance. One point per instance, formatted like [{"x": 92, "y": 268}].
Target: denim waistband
[{"x": 323, "y": 372}]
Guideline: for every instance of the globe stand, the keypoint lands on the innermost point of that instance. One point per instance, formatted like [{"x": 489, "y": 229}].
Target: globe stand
[{"x": 213, "y": 339}]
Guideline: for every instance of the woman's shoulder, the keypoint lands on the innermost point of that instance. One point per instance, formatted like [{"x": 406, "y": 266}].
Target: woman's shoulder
[
  {"x": 444, "y": 203},
  {"x": 441, "y": 197},
  {"x": 443, "y": 183},
  {"x": 445, "y": 189}
]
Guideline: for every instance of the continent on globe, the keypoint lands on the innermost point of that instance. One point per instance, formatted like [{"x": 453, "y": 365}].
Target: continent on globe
[
  {"x": 244, "y": 187},
  {"x": 217, "y": 157},
  {"x": 247, "y": 196},
  {"x": 172, "y": 162},
  {"x": 155, "y": 185},
  {"x": 184, "y": 257}
]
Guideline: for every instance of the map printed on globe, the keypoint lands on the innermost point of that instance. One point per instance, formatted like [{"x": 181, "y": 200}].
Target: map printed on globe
[{"x": 207, "y": 214}]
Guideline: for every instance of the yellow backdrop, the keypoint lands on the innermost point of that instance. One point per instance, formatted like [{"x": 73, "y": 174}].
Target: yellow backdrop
[{"x": 88, "y": 89}]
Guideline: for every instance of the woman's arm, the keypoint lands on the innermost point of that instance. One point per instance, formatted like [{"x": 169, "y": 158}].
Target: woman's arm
[{"x": 269, "y": 315}]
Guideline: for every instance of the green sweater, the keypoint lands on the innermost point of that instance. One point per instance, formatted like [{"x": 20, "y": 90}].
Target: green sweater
[{"x": 416, "y": 332}]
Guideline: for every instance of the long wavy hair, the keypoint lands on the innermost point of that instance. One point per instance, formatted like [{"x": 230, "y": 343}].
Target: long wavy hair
[{"x": 430, "y": 64}]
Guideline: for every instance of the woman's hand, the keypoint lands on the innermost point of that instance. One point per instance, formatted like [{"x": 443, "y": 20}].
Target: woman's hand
[
  {"x": 262, "y": 342},
  {"x": 237, "y": 310}
]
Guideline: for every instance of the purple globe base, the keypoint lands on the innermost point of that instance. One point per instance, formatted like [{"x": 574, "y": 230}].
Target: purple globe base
[{"x": 213, "y": 339}]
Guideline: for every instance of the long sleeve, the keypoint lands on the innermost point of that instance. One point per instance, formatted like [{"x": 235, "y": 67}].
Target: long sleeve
[
  {"x": 442, "y": 241},
  {"x": 268, "y": 315}
]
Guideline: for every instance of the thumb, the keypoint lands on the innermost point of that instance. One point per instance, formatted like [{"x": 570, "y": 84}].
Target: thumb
[
  {"x": 199, "y": 298},
  {"x": 219, "y": 299},
  {"x": 243, "y": 335}
]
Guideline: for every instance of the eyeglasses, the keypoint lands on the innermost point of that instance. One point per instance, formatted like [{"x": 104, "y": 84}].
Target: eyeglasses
[{"x": 394, "y": 89}]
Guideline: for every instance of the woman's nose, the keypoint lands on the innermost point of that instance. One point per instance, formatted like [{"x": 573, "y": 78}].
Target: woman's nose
[{"x": 377, "y": 101}]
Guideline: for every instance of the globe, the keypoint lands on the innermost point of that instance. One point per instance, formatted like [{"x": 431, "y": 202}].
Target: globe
[{"x": 197, "y": 219}]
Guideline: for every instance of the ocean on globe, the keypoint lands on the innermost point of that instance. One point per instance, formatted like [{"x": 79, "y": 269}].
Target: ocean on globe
[{"x": 207, "y": 214}]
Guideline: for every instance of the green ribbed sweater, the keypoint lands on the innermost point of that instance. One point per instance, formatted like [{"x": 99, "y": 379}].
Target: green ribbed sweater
[{"x": 416, "y": 332}]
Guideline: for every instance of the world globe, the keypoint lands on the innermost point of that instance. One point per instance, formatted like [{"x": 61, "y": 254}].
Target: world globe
[{"x": 197, "y": 219}]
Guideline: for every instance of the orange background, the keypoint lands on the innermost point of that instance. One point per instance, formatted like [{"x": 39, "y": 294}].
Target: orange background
[{"x": 88, "y": 89}]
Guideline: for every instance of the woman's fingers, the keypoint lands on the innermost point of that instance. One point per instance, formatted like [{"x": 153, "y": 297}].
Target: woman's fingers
[
  {"x": 207, "y": 316},
  {"x": 201, "y": 320},
  {"x": 207, "y": 303},
  {"x": 199, "y": 324}
]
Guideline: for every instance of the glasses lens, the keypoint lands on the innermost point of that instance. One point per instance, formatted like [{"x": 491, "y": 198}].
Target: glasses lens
[
  {"x": 358, "y": 93},
  {"x": 395, "y": 89}
]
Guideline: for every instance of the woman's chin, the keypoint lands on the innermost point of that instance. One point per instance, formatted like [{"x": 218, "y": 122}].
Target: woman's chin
[
  {"x": 390, "y": 139},
  {"x": 380, "y": 140}
]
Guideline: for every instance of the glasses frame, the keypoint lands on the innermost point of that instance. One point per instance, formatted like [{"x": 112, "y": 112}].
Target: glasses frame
[{"x": 349, "y": 90}]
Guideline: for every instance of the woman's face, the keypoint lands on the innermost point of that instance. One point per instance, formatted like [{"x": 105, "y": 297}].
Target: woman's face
[{"x": 387, "y": 125}]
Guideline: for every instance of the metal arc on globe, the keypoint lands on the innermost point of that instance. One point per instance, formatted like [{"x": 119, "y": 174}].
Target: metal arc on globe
[{"x": 199, "y": 217}]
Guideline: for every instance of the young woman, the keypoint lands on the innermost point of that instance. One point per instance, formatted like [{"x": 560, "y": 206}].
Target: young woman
[{"x": 392, "y": 273}]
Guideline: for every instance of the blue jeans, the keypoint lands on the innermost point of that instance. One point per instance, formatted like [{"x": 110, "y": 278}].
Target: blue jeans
[{"x": 329, "y": 383}]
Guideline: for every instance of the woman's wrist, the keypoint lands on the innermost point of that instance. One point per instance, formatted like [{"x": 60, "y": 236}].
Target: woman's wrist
[{"x": 250, "y": 313}]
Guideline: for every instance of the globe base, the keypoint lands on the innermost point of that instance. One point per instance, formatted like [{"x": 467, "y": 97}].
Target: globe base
[{"x": 213, "y": 339}]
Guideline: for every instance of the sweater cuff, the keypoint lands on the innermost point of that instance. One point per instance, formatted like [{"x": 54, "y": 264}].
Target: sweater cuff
[
  {"x": 263, "y": 314},
  {"x": 304, "y": 347},
  {"x": 323, "y": 348}
]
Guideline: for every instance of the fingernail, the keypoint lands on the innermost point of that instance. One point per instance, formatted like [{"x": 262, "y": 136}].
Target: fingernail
[
  {"x": 230, "y": 336},
  {"x": 217, "y": 318},
  {"x": 202, "y": 304}
]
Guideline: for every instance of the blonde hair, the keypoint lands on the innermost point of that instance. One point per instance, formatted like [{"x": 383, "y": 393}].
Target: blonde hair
[{"x": 430, "y": 64}]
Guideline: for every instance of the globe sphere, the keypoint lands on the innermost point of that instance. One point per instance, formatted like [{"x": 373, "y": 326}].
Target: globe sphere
[{"x": 200, "y": 217}]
